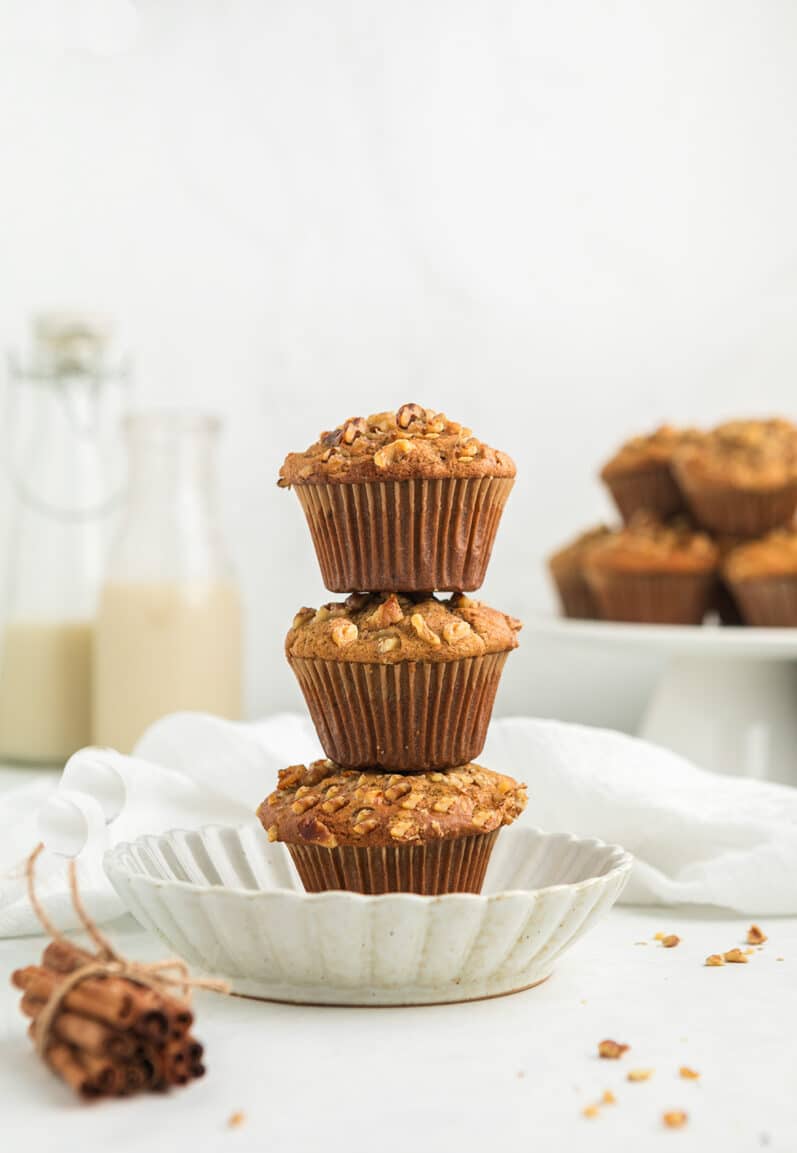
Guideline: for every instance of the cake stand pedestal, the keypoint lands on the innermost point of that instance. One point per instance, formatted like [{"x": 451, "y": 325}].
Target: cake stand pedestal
[{"x": 726, "y": 699}]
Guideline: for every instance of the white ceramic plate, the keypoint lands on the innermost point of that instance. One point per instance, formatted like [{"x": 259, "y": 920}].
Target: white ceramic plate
[{"x": 230, "y": 903}]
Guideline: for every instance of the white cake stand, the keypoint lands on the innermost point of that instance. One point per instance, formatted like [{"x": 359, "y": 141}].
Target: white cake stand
[{"x": 727, "y": 698}]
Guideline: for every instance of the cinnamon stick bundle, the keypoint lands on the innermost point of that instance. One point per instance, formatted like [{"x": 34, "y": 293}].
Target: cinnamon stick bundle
[{"x": 108, "y": 1034}]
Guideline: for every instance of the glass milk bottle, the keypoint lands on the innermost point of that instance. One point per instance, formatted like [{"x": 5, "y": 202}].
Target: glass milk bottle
[
  {"x": 168, "y": 632},
  {"x": 62, "y": 461}
]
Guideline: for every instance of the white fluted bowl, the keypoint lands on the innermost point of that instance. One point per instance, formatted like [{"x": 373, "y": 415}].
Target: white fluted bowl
[{"x": 230, "y": 903}]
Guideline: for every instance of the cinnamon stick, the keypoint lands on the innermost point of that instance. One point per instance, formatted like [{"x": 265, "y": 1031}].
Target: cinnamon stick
[{"x": 84, "y": 1032}]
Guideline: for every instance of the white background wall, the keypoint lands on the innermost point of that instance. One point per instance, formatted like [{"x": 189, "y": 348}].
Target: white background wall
[{"x": 559, "y": 222}]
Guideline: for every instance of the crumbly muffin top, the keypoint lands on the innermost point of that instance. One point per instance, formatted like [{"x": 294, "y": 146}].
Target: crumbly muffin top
[
  {"x": 411, "y": 442},
  {"x": 574, "y": 552},
  {"x": 748, "y": 454},
  {"x": 392, "y": 627},
  {"x": 773, "y": 556},
  {"x": 324, "y": 805},
  {"x": 646, "y": 545},
  {"x": 649, "y": 451}
]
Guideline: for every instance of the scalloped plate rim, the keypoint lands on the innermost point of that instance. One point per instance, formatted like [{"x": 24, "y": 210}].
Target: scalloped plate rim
[{"x": 111, "y": 863}]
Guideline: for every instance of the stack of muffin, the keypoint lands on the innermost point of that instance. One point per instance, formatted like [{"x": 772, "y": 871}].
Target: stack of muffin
[
  {"x": 400, "y": 683},
  {"x": 709, "y": 525}
]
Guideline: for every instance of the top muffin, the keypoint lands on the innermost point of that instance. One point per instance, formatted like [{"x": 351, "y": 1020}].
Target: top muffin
[
  {"x": 408, "y": 443},
  {"x": 745, "y": 454}
]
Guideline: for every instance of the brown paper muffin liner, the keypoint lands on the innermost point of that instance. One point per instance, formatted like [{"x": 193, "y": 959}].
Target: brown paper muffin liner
[
  {"x": 770, "y": 602},
  {"x": 653, "y": 598},
  {"x": 739, "y": 512},
  {"x": 450, "y": 865},
  {"x": 406, "y": 535},
  {"x": 652, "y": 489},
  {"x": 575, "y": 595},
  {"x": 412, "y": 715}
]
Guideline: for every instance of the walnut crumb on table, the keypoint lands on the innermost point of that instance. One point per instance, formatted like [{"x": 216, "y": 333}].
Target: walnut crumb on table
[
  {"x": 735, "y": 957},
  {"x": 612, "y": 1050},
  {"x": 755, "y": 935},
  {"x": 236, "y": 1119},
  {"x": 608, "y": 1098},
  {"x": 639, "y": 1074},
  {"x": 715, "y": 959},
  {"x": 688, "y": 1074},
  {"x": 674, "y": 1119},
  {"x": 670, "y": 941}
]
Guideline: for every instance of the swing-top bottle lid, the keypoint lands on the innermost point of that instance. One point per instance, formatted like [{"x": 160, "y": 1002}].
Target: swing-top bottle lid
[{"x": 67, "y": 343}]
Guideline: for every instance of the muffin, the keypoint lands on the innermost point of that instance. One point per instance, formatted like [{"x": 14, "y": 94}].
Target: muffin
[
  {"x": 400, "y": 682},
  {"x": 381, "y": 833},
  {"x": 639, "y": 476},
  {"x": 405, "y": 501},
  {"x": 741, "y": 480},
  {"x": 763, "y": 578},
  {"x": 567, "y": 570},
  {"x": 653, "y": 573}
]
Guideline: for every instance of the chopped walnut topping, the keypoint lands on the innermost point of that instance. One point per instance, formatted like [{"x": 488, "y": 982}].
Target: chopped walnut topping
[
  {"x": 443, "y": 805},
  {"x": 366, "y": 826},
  {"x": 392, "y": 452},
  {"x": 333, "y": 805},
  {"x": 387, "y": 644},
  {"x": 755, "y": 935},
  {"x": 612, "y": 1050},
  {"x": 735, "y": 957},
  {"x": 408, "y": 413},
  {"x": 400, "y": 789},
  {"x": 423, "y": 630},
  {"x": 354, "y": 428},
  {"x": 454, "y": 631},
  {"x": 688, "y": 1074},
  {"x": 639, "y": 1074},
  {"x": 272, "y": 832},
  {"x": 675, "y": 1119},
  {"x": 303, "y": 617},
  {"x": 402, "y": 830},
  {"x": 670, "y": 942},
  {"x": 344, "y": 633},
  {"x": 389, "y": 612},
  {"x": 302, "y": 804},
  {"x": 715, "y": 959}
]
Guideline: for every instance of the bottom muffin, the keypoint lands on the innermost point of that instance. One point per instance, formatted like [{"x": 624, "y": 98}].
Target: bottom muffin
[
  {"x": 374, "y": 832},
  {"x": 651, "y": 573},
  {"x": 763, "y": 578}
]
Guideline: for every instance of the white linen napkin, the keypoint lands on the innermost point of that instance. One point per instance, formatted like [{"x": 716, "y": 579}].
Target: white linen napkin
[{"x": 697, "y": 837}]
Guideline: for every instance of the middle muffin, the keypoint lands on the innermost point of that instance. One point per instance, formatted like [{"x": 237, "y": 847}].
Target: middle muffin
[{"x": 402, "y": 682}]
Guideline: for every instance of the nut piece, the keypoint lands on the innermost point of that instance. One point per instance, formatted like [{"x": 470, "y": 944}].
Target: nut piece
[
  {"x": 755, "y": 935},
  {"x": 395, "y": 792},
  {"x": 387, "y": 644},
  {"x": 675, "y": 1119},
  {"x": 735, "y": 957},
  {"x": 333, "y": 804},
  {"x": 455, "y": 630},
  {"x": 402, "y": 830},
  {"x": 356, "y": 601},
  {"x": 317, "y": 833},
  {"x": 612, "y": 1050},
  {"x": 393, "y": 452},
  {"x": 366, "y": 826},
  {"x": 272, "y": 833},
  {"x": 608, "y": 1098},
  {"x": 388, "y": 613},
  {"x": 408, "y": 413},
  {"x": 303, "y": 617},
  {"x": 443, "y": 805},
  {"x": 237, "y": 1119},
  {"x": 715, "y": 959},
  {"x": 639, "y": 1074},
  {"x": 591, "y": 1111},
  {"x": 423, "y": 630},
  {"x": 302, "y": 804},
  {"x": 688, "y": 1074},
  {"x": 344, "y": 632},
  {"x": 354, "y": 428},
  {"x": 670, "y": 942}
]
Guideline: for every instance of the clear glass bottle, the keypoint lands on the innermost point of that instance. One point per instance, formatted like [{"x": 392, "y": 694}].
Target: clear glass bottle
[
  {"x": 168, "y": 632},
  {"x": 62, "y": 461}
]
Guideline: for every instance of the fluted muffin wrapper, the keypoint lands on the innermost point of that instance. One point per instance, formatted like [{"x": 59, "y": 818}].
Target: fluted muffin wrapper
[
  {"x": 408, "y": 716},
  {"x": 653, "y": 598},
  {"x": 653, "y": 490},
  {"x": 575, "y": 595},
  {"x": 739, "y": 512},
  {"x": 447, "y": 865},
  {"x": 405, "y": 535},
  {"x": 768, "y": 602}
]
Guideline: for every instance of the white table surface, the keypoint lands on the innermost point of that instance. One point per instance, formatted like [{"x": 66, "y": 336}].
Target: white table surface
[{"x": 495, "y": 1075}]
